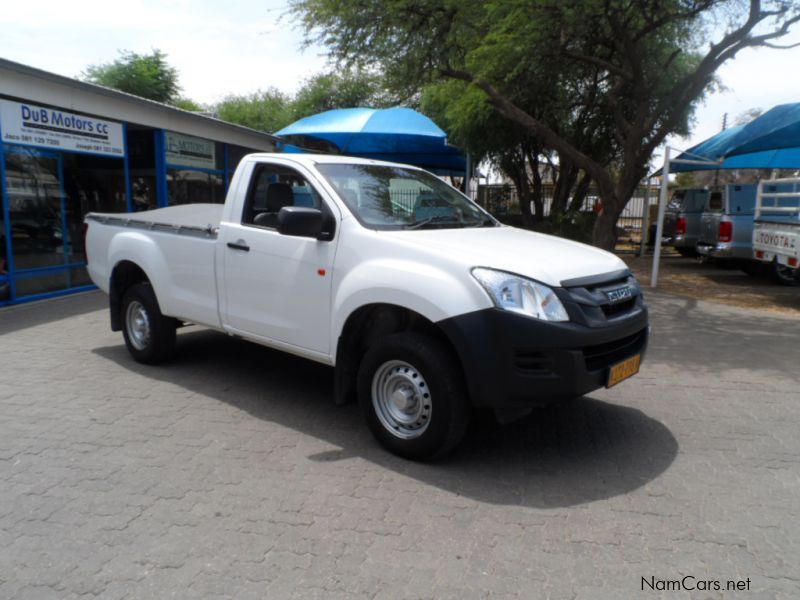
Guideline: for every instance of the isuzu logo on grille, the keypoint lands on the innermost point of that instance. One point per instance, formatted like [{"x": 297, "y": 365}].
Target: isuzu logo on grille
[{"x": 619, "y": 295}]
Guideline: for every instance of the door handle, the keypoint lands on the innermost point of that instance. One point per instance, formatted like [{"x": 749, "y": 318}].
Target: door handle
[{"x": 239, "y": 245}]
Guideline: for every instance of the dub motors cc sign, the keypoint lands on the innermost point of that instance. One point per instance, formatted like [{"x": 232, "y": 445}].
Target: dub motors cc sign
[{"x": 56, "y": 129}]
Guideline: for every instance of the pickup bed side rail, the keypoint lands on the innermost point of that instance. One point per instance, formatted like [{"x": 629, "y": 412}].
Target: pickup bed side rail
[{"x": 209, "y": 231}]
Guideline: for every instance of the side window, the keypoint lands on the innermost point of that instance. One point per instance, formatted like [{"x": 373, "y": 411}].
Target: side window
[{"x": 273, "y": 187}]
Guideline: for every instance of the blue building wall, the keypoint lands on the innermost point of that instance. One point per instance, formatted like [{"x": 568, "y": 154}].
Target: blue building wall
[{"x": 45, "y": 196}]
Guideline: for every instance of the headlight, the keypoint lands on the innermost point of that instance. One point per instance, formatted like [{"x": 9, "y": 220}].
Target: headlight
[{"x": 520, "y": 295}]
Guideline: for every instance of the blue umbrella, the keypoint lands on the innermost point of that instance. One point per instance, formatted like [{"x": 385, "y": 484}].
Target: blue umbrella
[
  {"x": 771, "y": 141},
  {"x": 394, "y": 134},
  {"x": 714, "y": 147},
  {"x": 776, "y": 129}
]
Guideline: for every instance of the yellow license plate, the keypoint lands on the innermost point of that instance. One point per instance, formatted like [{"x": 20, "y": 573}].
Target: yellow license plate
[{"x": 621, "y": 371}]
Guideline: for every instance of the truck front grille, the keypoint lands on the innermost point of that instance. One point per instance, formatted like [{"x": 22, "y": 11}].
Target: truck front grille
[
  {"x": 614, "y": 310},
  {"x": 597, "y": 303}
]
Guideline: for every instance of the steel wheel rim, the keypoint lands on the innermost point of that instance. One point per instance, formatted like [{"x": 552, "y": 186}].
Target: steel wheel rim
[
  {"x": 784, "y": 272},
  {"x": 137, "y": 323},
  {"x": 401, "y": 399}
]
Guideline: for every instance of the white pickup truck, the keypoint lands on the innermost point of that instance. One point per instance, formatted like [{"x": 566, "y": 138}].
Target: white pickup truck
[
  {"x": 424, "y": 304},
  {"x": 776, "y": 231}
]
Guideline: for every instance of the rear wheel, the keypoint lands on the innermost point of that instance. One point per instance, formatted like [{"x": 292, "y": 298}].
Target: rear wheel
[
  {"x": 785, "y": 275},
  {"x": 413, "y": 397},
  {"x": 149, "y": 335},
  {"x": 686, "y": 252}
]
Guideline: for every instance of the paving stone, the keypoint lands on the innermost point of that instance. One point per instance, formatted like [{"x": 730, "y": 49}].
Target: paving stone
[{"x": 230, "y": 473}]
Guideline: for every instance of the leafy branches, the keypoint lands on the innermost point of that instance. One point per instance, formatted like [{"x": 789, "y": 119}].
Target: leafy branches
[
  {"x": 145, "y": 75},
  {"x": 630, "y": 71}
]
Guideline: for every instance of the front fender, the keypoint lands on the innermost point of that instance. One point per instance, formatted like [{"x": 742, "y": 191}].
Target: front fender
[{"x": 434, "y": 293}]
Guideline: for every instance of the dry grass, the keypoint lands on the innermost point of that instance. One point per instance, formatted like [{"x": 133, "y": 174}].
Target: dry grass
[{"x": 714, "y": 283}]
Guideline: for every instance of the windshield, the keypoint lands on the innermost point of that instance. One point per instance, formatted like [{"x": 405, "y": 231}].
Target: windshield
[{"x": 387, "y": 197}]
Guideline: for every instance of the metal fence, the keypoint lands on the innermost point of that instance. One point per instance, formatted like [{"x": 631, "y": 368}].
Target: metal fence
[{"x": 502, "y": 201}]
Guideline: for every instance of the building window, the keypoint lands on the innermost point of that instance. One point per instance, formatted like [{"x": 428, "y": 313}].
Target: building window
[
  {"x": 39, "y": 237},
  {"x": 48, "y": 194},
  {"x": 187, "y": 186}
]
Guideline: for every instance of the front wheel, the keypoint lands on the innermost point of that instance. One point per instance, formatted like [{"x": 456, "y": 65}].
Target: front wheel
[
  {"x": 149, "y": 335},
  {"x": 413, "y": 397}
]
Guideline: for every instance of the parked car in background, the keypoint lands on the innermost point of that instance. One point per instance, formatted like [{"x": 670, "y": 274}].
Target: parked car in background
[
  {"x": 670, "y": 217},
  {"x": 691, "y": 204},
  {"x": 776, "y": 232},
  {"x": 726, "y": 225}
]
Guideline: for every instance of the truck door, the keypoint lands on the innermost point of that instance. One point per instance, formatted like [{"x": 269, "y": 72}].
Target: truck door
[{"x": 277, "y": 287}]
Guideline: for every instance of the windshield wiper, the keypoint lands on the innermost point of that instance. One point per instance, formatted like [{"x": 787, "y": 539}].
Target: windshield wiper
[{"x": 429, "y": 220}]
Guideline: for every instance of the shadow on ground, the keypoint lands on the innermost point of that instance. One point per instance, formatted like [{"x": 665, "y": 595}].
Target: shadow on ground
[
  {"x": 22, "y": 316},
  {"x": 576, "y": 452},
  {"x": 710, "y": 338}
]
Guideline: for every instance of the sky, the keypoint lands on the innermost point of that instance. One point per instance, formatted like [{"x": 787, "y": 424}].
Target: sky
[{"x": 241, "y": 46}]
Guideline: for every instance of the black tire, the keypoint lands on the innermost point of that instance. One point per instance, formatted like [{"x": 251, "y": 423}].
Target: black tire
[
  {"x": 686, "y": 252},
  {"x": 443, "y": 414},
  {"x": 158, "y": 345},
  {"x": 785, "y": 275}
]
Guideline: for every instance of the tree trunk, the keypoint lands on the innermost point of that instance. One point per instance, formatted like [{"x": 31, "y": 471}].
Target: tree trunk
[
  {"x": 580, "y": 193},
  {"x": 538, "y": 201},
  {"x": 520, "y": 179},
  {"x": 567, "y": 175},
  {"x": 524, "y": 197},
  {"x": 605, "y": 230},
  {"x": 614, "y": 201}
]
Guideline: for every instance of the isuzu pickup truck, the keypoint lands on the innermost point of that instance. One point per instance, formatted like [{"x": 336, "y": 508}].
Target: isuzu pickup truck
[{"x": 425, "y": 305}]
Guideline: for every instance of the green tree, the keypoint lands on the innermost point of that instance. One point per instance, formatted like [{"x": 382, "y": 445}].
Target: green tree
[
  {"x": 345, "y": 89},
  {"x": 145, "y": 75},
  {"x": 186, "y": 104},
  {"x": 272, "y": 110},
  {"x": 648, "y": 62},
  {"x": 268, "y": 110}
]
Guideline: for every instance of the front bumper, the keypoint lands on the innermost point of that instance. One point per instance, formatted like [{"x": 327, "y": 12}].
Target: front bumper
[{"x": 513, "y": 361}]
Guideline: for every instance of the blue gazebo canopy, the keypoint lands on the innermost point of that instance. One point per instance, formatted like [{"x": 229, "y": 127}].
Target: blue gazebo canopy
[
  {"x": 771, "y": 141},
  {"x": 393, "y": 134}
]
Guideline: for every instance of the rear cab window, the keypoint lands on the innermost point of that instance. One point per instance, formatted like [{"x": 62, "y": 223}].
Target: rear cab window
[{"x": 715, "y": 201}]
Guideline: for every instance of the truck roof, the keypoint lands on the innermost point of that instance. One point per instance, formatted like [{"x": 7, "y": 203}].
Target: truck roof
[{"x": 314, "y": 159}]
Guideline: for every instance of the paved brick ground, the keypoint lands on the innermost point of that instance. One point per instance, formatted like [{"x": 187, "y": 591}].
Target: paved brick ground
[{"x": 231, "y": 474}]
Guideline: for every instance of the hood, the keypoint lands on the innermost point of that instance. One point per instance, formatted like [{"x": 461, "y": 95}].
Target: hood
[{"x": 545, "y": 258}]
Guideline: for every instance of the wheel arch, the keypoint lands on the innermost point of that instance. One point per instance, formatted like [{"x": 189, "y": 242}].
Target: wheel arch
[
  {"x": 369, "y": 323},
  {"x": 125, "y": 274}
]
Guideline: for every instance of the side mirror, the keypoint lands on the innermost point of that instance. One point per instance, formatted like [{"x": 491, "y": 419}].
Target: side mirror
[{"x": 300, "y": 221}]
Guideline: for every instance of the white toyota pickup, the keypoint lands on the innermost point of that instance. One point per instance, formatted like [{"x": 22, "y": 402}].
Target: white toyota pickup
[
  {"x": 424, "y": 304},
  {"x": 776, "y": 231}
]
